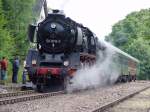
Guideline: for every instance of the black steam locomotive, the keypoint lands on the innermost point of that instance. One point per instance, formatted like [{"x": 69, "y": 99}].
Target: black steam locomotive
[{"x": 62, "y": 47}]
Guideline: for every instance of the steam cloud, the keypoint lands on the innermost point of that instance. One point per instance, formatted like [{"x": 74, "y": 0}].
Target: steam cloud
[
  {"x": 58, "y": 4},
  {"x": 64, "y": 4},
  {"x": 104, "y": 72}
]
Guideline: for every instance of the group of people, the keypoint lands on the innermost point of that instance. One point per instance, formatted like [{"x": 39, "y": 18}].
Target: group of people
[{"x": 4, "y": 68}]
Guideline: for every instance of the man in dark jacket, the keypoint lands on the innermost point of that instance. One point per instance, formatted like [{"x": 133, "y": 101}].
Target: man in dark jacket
[{"x": 15, "y": 69}]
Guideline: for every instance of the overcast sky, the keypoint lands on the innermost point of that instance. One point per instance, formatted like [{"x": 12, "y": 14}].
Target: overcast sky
[{"x": 98, "y": 15}]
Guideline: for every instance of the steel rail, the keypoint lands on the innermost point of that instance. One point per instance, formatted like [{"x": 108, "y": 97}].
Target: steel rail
[
  {"x": 19, "y": 93},
  {"x": 29, "y": 98},
  {"x": 113, "y": 103}
]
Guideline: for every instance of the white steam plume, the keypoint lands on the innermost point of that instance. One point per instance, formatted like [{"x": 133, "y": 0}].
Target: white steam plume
[
  {"x": 104, "y": 72},
  {"x": 57, "y": 4},
  {"x": 64, "y": 3}
]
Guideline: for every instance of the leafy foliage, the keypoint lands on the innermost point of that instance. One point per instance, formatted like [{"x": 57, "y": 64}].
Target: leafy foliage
[
  {"x": 18, "y": 15},
  {"x": 5, "y": 37},
  {"x": 15, "y": 15},
  {"x": 132, "y": 35}
]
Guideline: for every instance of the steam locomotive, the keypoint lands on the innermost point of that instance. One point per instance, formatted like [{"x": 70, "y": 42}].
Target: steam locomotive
[{"x": 62, "y": 47}]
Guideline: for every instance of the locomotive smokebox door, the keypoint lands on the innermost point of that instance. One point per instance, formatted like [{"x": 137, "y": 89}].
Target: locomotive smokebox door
[{"x": 31, "y": 31}]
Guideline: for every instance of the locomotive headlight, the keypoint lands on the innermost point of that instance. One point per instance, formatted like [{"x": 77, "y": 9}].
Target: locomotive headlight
[
  {"x": 33, "y": 62},
  {"x": 66, "y": 63},
  {"x": 72, "y": 32},
  {"x": 53, "y": 25}
]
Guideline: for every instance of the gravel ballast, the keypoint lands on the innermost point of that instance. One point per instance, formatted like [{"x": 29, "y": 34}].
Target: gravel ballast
[{"x": 84, "y": 101}]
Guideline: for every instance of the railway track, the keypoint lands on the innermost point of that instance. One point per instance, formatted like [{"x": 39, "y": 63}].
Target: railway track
[
  {"x": 19, "y": 93},
  {"x": 11, "y": 98},
  {"x": 116, "y": 102},
  {"x": 138, "y": 103},
  {"x": 86, "y": 101}
]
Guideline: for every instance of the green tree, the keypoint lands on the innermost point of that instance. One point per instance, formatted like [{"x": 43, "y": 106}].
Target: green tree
[
  {"x": 140, "y": 50},
  {"x": 132, "y": 35},
  {"x": 15, "y": 15},
  {"x": 18, "y": 14},
  {"x": 6, "y": 41}
]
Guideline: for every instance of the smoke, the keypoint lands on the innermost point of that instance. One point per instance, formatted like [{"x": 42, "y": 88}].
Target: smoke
[
  {"x": 64, "y": 3},
  {"x": 102, "y": 73},
  {"x": 57, "y": 4}
]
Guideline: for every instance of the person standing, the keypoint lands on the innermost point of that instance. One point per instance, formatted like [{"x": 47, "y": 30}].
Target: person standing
[
  {"x": 4, "y": 65},
  {"x": 24, "y": 73},
  {"x": 0, "y": 68},
  {"x": 15, "y": 69}
]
